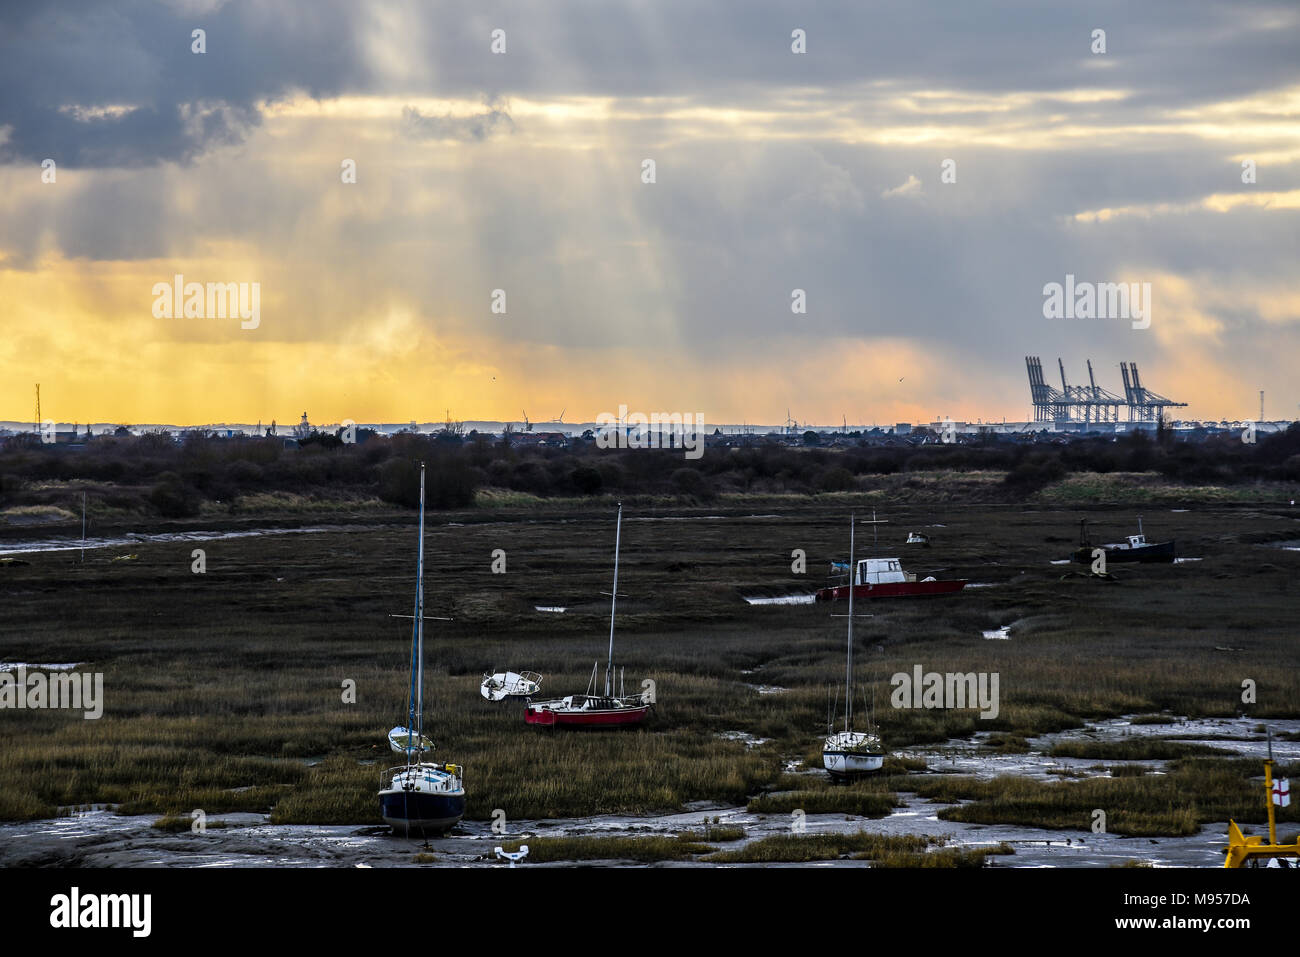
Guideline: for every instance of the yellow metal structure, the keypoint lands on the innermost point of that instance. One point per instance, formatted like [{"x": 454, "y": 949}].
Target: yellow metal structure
[{"x": 1242, "y": 849}]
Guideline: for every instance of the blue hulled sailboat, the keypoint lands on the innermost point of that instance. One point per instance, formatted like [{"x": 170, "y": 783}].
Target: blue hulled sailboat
[{"x": 420, "y": 797}]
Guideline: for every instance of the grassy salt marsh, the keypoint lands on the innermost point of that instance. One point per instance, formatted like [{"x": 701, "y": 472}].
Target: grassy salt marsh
[{"x": 225, "y": 691}]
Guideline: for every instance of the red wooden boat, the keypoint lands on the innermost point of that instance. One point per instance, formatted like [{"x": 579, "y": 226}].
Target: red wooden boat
[
  {"x": 885, "y": 578},
  {"x": 588, "y": 711},
  {"x": 592, "y": 710}
]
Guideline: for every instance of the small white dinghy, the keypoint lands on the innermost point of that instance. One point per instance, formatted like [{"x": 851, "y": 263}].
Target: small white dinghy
[
  {"x": 510, "y": 684},
  {"x": 406, "y": 741}
]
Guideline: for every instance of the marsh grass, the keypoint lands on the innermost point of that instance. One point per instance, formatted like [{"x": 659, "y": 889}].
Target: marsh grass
[
  {"x": 291, "y": 503},
  {"x": 1193, "y": 792},
  {"x": 1127, "y": 770},
  {"x": 944, "y": 857},
  {"x": 1137, "y": 488},
  {"x": 223, "y": 691},
  {"x": 837, "y": 801},
  {"x": 19, "y": 804},
  {"x": 1134, "y": 749},
  {"x": 802, "y": 848},
  {"x": 35, "y": 513}
]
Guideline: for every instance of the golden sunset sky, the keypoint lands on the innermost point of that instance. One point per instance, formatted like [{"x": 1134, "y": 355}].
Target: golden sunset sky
[{"x": 522, "y": 171}]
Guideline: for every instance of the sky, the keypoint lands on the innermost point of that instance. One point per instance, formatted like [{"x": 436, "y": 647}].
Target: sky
[{"x": 921, "y": 172}]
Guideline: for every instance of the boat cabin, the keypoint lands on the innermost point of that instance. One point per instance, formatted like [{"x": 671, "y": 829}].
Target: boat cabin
[
  {"x": 582, "y": 702},
  {"x": 879, "y": 571},
  {"x": 426, "y": 777}
]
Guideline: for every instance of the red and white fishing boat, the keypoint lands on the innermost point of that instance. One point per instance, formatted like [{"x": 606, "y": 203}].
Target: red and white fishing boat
[
  {"x": 612, "y": 709},
  {"x": 884, "y": 578}
]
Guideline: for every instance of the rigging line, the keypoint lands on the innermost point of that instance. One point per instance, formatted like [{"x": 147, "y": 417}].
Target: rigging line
[
  {"x": 848, "y": 661},
  {"x": 613, "y": 599}
]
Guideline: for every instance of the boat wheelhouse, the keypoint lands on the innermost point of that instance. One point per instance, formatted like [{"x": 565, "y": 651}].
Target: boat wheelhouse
[{"x": 885, "y": 578}]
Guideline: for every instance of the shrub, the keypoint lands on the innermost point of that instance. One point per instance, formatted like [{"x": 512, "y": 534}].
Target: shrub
[
  {"x": 692, "y": 483},
  {"x": 587, "y": 480},
  {"x": 173, "y": 498}
]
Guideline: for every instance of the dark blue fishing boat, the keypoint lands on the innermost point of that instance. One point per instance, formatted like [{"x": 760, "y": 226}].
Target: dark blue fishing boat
[
  {"x": 419, "y": 797},
  {"x": 1135, "y": 549}
]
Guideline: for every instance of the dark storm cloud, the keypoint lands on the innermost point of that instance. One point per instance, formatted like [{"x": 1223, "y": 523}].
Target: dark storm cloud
[
  {"x": 138, "y": 55},
  {"x": 1172, "y": 53}
]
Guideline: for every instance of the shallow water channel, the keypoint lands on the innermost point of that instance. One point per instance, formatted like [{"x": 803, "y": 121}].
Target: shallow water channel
[{"x": 102, "y": 838}]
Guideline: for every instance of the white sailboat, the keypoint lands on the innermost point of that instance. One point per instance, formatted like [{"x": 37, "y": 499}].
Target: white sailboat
[
  {"x": 420, "y": 797},
  {"x": 510, "y": 684},
  {"x": 613, "y": 709},
  {"x": 849, "y": 753}
]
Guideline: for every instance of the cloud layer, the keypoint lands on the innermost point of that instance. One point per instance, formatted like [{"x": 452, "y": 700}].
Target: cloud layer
[{"x": 524, "y": 172}]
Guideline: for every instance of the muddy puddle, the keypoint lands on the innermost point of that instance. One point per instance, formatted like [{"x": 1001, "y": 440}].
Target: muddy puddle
[
  {"x": 98, "y": 837},
  {"x": 15, "y": 665},
  {"x": 768, "y": 689},
  {"x": 1239, "y": 735},
  {"x": 749, "y": 740},
  {"x": 103, "y": 839},
  {"x": 65, "y": 544}
]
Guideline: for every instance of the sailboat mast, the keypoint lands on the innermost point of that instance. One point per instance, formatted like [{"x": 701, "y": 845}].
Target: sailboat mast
[
  {"x": 848, "y": 657},
  {"x": 419, "y": 622},
  {"x": 613, "y": 600}
]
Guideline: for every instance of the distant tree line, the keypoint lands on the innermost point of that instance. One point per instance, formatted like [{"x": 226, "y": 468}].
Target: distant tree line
[{"x": 153, "y": 472}]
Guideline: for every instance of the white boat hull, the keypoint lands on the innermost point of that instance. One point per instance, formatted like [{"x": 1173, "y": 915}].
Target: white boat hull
[
  {"x": 423, "y": 798},
  {"x": 404, "y": 741},
  {"x": 846, "y": 764},
  {"x": 851, "y": 753},
  {"x": 508, "y": 684}
]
